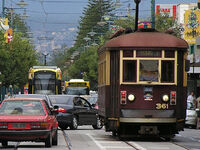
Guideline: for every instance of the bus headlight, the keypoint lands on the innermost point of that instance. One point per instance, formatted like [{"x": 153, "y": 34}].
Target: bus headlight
[
  {"x": 165, "y": 98},
  {"x": 131, "y": 97}
]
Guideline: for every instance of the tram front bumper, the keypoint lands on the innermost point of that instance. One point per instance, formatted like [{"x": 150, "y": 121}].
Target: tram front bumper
[{"x": 147, "y": 120}]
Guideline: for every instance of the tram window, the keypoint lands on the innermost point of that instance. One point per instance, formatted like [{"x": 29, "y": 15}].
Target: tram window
[
  {"x": 169, "y": 54},
  {"x": 127, "y": 53},
  {"x": 167, "y": 71},
  {"x": 149, "y": 70},
  {"x": 129, "y": 71},
  {"x": 148, "y": 53}
]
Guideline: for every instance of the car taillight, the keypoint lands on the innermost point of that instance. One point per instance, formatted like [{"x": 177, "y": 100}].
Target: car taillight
[
  {"x": 35, "y": 125},
  {"x": 123, "y": 97},
  {"x": 62, "y": 110},
  {"x": 173, "y": 98},
  {"x": 39, "y": 125},
  {"x": 3, "y": 125}
]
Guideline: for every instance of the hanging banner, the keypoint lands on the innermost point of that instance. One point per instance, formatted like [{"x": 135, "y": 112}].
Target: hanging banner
[
  {"x": 192, "y": 26},
  {"x": 4, "y": 24}
]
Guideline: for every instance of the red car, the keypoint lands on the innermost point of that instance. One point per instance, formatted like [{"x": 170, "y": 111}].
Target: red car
[{"x": 27, "y": 119}]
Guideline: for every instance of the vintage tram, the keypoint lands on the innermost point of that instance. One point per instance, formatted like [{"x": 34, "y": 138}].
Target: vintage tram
[{"x": 142, "y": 83}]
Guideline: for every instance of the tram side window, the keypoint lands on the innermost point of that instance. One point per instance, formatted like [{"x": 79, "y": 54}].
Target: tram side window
[
  {"x": 167, "y": 71},
  {"x": 129, "y": 71}
]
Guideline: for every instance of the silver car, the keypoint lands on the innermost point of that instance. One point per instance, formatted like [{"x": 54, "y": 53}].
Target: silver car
[{"x": 191, "y": 116}]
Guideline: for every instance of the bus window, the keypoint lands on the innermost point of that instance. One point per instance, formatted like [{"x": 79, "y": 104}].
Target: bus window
[
  {"x": 129, "y": 71},
  {"x": 77, "y": 90},
  {"x": 167, "y": 72},
  {"x": 149, "y": 70}
]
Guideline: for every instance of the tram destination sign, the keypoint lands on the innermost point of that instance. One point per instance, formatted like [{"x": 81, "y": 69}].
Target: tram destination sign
[
  {"x": 77, "y": 84},
  {"x": 144, "y": 53}
]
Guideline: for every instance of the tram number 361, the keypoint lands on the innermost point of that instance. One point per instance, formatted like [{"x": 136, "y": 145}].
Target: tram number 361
[{"x": 162, "y": 106}]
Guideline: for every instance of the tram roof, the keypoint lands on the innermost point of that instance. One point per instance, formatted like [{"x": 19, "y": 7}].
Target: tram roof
[{"x": 145, "y": 40}]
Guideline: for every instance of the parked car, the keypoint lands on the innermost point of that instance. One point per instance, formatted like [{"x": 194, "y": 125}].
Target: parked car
[
  {"x": 191, "y": 115},
  {"x": 74, "y": 111},
  {"x": 93, "y": 100},
  {"x": 42, "y": 96},
  {"x": 27, "y": 119}
]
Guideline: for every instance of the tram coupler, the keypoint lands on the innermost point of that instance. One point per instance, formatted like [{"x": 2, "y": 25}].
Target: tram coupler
[{"x": 150, "y": 130}]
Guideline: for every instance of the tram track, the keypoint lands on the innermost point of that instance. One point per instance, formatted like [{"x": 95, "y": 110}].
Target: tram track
[
  {"x": 134, "y": 146},
  {"x": 67, "y": 140},
  {"x": 180, "y": 145},
  {"x": 138, "y": 147}
]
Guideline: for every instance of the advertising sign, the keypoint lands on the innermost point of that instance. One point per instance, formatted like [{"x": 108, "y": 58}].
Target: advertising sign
[
  {"x": 192, "y": 25},
  {"x": 166, "y": 8}
]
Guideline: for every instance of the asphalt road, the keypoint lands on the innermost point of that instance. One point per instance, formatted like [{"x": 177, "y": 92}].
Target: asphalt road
[{"x": 86, "y": 138}]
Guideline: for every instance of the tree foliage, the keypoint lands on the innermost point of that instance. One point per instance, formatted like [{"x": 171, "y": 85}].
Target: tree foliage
[
  {"x": 86, "y": 67},
  {"x": 16, "y": 58},
  {"x": 92, "y": 14},
  {"x": 125, "y": 22},
  {"x": 17, "y": 24},
  {"x": 164, "y": 23},
  {"x": 85, "y": 63}
]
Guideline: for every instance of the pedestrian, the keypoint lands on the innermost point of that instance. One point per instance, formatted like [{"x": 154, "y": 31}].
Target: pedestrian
[{"x": 192, "y": 98}]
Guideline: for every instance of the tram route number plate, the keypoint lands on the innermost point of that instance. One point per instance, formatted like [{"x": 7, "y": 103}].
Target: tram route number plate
[
  {"x": 162, "y": 106},
  {"x": 18, "y": 125}
]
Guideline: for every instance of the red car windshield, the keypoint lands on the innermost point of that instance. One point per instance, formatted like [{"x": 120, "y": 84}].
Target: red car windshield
[{"x": 22, "y": 107}]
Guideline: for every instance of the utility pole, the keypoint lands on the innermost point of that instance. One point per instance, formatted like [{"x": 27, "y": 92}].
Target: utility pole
[
  {"x": 45, "y": 58},
  {"x": 153, "y": 13},
  {"x": 136, "y": 13},
  {"x": 3, "y": 8}
]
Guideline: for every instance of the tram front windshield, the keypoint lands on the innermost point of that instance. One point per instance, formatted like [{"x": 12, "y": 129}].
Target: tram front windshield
[
  {"x": 77, "y": 91},
  {"x": 148, "y": 70},
  {"x": 45, "y": 83}
]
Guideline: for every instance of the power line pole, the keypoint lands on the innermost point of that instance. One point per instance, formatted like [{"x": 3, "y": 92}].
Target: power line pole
[
  {"x": 3, "y": 8},
  {"x": 136, "y": 13},
  {"x": 153, "y": 13}
]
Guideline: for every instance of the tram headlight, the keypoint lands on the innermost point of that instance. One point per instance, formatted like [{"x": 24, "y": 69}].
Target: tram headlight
[
  {"x": 165, "y": 98},
  {"x": 131, "y": 97}
]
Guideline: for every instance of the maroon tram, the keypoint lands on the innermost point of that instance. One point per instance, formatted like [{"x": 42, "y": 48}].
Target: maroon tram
[{"x": 142, "y": 83}]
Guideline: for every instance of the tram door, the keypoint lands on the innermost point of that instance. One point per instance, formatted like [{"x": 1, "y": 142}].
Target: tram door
[{"x": 114, "y": 83}]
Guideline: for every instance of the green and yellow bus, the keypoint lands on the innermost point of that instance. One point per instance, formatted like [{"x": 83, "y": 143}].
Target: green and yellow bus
[
  {"x": 44, "y": 80},
  {"x": 77, "y": 87}
]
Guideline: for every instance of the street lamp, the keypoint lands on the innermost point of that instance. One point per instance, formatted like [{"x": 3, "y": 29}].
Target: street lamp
[
  {"x": 92, "y": 33},
  {"x": 45, "y": 57},
  {"x": 136, "y": 13},
  {"x": 22, "y": 4},
  {"x": 24, "y": 16},
  {"x": 87, "y": 38}
]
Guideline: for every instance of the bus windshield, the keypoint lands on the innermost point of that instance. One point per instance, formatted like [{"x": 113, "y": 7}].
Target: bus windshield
[
  {"x": 45, "y": 83},
  {"x": 77, "y": 90}
]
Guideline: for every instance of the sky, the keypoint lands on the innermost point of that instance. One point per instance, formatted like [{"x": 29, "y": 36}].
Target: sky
[{"x": 57, "y": 20}]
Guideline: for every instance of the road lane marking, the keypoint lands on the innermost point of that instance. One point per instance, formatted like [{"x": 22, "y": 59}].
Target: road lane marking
[
  {"x": 116, "y": 147},
  {"x": 159, "y": 148},
  {"x": 137, "y": 146},
  {"x": 97, "y": 143},
  {"x": 111, "y": 142}
]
